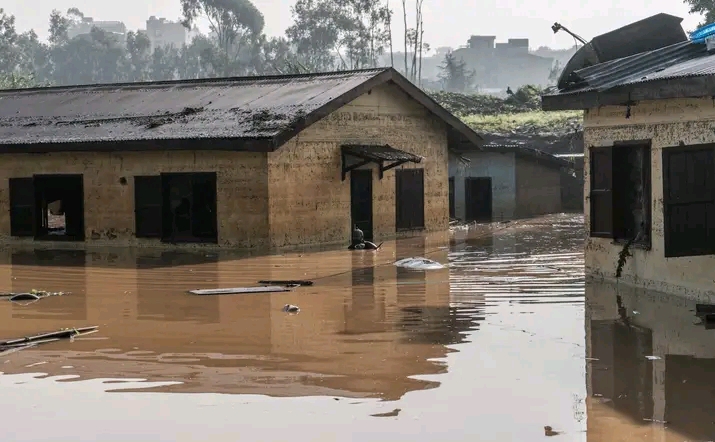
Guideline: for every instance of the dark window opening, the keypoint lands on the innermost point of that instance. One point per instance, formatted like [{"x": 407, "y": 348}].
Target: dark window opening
[
  {"x": 409, "y": 199},
  {"x": 49, "y": 207},
  {"x": 620, "y": 196},
  {"x": 452, "y": 209},
  {"x": 689, "y": 200},
  {"x": 176, "y": 207}
]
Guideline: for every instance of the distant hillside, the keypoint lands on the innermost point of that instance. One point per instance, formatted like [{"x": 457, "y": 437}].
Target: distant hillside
[{"x": 516, "y": 119}]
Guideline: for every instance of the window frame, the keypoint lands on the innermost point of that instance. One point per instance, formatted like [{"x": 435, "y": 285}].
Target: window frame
[
  {"x": 403, "y": 225},
  {"x": 608, "y": 191},
  {"x": 668, "y": 250}
]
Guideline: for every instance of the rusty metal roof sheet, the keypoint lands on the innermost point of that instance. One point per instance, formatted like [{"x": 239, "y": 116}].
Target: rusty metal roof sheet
[{"x": 257, "y": 107}]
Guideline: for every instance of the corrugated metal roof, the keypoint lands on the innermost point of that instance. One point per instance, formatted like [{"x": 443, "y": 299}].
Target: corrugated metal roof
[
  {"x": 685, "y": 59},
  {"x": 248, "y": 108}
]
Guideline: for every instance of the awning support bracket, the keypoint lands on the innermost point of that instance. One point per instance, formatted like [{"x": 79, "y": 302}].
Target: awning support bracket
[
  {"x": 347, "y": 169},
  {"x": 384, "y": 168}
]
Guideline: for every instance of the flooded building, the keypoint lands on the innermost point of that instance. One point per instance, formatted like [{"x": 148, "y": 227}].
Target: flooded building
[
  {"x": 649, "y": 153},
  {"x": 243, "y": 162},
  {"x": 503, "y": 182}
]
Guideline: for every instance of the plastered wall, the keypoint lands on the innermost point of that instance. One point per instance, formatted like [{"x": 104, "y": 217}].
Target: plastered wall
[
  {"x": 308, "y": 201},
  {"x": 667, "y": 123}
]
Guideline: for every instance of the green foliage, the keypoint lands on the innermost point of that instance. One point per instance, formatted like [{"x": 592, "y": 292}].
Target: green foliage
[
  {"x": 704, "y": 8},
  {"x": 525, "y": 99},
  {"x": 454, "y": 74},
  {"x": 532, "y": 122},
  {"x": 15, "y": 81}
]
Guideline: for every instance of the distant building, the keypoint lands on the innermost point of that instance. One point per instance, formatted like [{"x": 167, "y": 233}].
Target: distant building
[
  {"x": 509, "y": 181},
  {"x": 116, "y": 28},
  {"x": 162, "y": 32},
  {"x": 502, "y": 65}
]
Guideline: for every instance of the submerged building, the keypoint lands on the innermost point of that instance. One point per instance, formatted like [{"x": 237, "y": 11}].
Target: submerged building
[
  {"x": 647, "y": 92},
  {"x": 241, "y": 162}
]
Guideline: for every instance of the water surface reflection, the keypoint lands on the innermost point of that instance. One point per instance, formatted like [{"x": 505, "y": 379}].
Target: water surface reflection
[{"x": 653, "y": 358}]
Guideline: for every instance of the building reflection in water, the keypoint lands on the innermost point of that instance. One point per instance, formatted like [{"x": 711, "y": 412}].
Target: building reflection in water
[
  {"x": 365, "y": 327},
  {"x": 634, "y": 396}
]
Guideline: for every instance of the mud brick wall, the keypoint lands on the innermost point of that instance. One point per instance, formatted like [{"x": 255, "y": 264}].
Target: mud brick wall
[
  {"x": 666, "y": 123},
  {"x": 109, "y": 205},
  {"x": 538, "y": 188},
  {"x": 308, "y": 201}
]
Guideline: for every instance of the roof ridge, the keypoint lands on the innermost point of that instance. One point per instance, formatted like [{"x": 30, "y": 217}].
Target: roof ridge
[{"x": 201, "y": 81}]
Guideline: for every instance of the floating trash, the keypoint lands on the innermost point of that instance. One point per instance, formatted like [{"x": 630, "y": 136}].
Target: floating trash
[{"x": 419, "y": 264}]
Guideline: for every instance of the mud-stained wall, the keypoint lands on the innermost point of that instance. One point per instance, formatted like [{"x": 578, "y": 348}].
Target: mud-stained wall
[
  {"x": 109, "y": 205},
  {"x": 498, "y": 166},
  {"x": 538, "y": 188},
  {"x": 666, "y": 123},
  {"x": 309, "y": 202}
]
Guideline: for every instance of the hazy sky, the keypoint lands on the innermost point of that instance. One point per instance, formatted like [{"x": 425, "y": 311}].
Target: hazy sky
[{"x": 447, "y": 22}]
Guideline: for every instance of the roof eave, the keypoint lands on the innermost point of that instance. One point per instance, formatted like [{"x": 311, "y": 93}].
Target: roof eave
[{"x": 682, "y": 87}]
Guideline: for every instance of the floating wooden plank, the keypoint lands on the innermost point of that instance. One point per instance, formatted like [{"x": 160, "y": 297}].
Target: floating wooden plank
[
  {"x": 287, "y": 282},
  {"x": 242, "y": 290}
]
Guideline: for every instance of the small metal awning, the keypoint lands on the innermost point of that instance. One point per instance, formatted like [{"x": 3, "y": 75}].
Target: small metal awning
[{"x": 385, "y": 156}]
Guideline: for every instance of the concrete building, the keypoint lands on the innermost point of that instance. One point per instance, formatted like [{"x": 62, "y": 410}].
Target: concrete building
[
  {"x": 116, "y": 28},
  {"x": 650, "y": 155},
  {"x": 502, "y": 65},
  {"x": 247, "y": 162},
  {"x": 162, "y": 32},
  {"x": 503, "y": 182}
]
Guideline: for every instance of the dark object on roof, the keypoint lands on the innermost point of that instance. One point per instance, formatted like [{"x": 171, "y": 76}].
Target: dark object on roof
[
  {"x": 376, "y": 154},
  {"x": 678, "y": 71},
  {"x": 246, "y": 113},
  {"x": 651, "y": 33}
]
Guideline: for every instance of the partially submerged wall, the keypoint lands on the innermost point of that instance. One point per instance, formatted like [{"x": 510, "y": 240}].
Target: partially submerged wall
[
  {"x": 309, "y": 202},
  {"x": 109, "y": 204},
  {"x": 538, "y": 188},
  {"x": 500, "y": 167},
  {"x": 666, "y": 123}
]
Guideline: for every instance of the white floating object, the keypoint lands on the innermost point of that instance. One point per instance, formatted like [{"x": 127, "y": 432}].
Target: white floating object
[
  {"x": 419, "y": 263},
  {"x": 241, "y": 290},
  {"x": 653, "y": 358}
]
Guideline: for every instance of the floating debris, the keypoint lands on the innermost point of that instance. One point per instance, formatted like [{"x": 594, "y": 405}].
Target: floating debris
[
  {"x": 289, "y": 308},
  {"x": 549, "y": 431},
  {"x": 419, "y": 264},
  {"x": 44, "y": 338},
  {"x": 653, "y": 358},
  {"x": 289, "y": 282},
  {"x": 242, "y": 290},
  {"x": 32, "y": 295},
  {"x": 392, "y": 413}
]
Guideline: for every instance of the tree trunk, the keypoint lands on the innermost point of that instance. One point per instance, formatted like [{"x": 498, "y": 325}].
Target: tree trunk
[
  {"x": 389, "y": 33},
  {"x": 404, "y": 14}
]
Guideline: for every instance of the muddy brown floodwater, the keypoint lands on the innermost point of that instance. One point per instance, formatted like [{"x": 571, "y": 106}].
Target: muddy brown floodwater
[{"x": 491, "y": 348}]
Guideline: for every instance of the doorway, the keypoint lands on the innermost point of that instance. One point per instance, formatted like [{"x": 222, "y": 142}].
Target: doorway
[
  {"x": 452, "y": 209},
  {"x": 189, "y": 208},
  {"x": 59, "y": 207},
  {"x": 361, "y": 201},
  {"x": 478, "y": 199}
]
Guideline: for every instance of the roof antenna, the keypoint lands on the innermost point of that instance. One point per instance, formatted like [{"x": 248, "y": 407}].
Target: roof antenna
[{"x": 556, "y": 27}]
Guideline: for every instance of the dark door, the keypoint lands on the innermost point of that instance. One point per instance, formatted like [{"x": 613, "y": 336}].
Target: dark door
[
  {"x": 452, "y": 213},
  {"x": 478, "y": 199},
  {"x": 189, "y": 207},
  {"x": 361, "y": 201}
]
